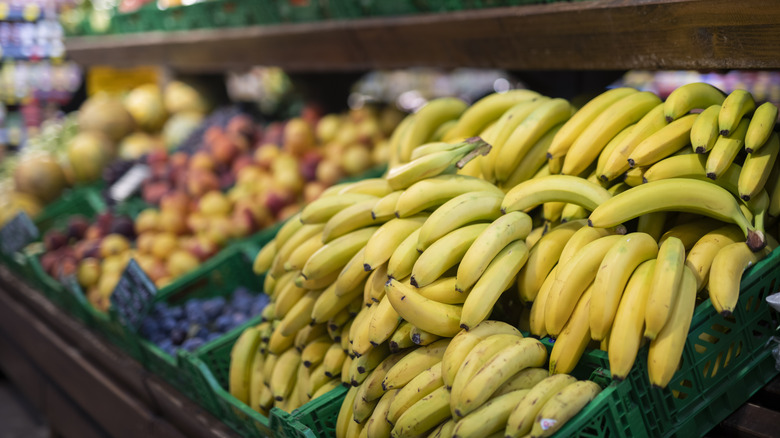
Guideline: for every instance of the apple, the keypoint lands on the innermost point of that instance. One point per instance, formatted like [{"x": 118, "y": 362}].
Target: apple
[
  {"x": 114, "y": 244},
  {"x": 328, "y": 127},
  {"x": 241, "y": 125},
  {"x": 201, "y": 182},
  {"x": 179, "y": 160},
  {"x": 164, "y": 245},
  {"x": 88, "y": 273},
  {"x": 157, "y": 156},
  {"x": 329, "y": 172},
  {"x": 173, "y": 221},
  {"x": 308, "y": 165},
  {"x": 181, "y": 262},
  {"x": 153, "y": 191},
  {"x": 145, "y": 241},
  {"x": 201, "y": 160},
  {"x": 266, "y": 154},
  {"x": 298, "y": 137},
  {"x": 356, "y": 159},
  {"x": 214, "y": 203},
  {"x": 177, "y": 201},
  {"x": 241, "y": 162},
  {"x": 224, "y": 151}
]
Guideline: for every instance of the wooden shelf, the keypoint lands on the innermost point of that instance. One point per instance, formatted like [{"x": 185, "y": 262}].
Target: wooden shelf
[{"x": 585, "y": 35}]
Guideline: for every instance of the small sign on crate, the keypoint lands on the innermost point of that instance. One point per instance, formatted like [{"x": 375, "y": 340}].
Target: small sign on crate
[
  {"x": 133, "y": 295},
  {"x": 129, "y": 183},
  {"x": 17, "y": 233}
]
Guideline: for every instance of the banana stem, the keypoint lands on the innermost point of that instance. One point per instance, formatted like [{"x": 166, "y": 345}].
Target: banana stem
[{"x": 480, "y": 147}]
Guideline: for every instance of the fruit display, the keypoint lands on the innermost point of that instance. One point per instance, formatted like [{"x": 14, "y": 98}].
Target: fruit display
[{"x": 598, "y": 227}]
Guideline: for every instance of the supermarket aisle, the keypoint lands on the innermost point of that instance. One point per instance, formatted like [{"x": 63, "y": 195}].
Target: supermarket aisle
[{"x": 17, "y": 420}]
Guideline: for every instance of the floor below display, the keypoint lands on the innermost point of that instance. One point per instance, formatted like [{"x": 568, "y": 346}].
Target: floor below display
[{"x": 18, "y": 419}]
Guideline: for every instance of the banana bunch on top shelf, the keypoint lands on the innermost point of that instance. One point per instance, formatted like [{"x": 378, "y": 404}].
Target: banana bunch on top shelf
[{"x": 597, "y": 227}]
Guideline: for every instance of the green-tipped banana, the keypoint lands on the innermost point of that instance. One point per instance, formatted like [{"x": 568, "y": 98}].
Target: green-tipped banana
[
  {"x": 757, "y": 168},
  {"x": 437, "y": 163},
  {"x": 725, "y": 151},
  {"x": 761, "y": 126},
  {"x": 426, "y": 120}
]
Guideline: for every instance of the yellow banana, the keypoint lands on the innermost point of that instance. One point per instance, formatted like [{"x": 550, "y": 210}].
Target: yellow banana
[
  {"x": 371, "y": 186},
  {"x": 525, "y": 379},
  {"x": 322, "y": 209},
  {"x": 284, "y": 374},
  {"x": 303, "y": 234},
  {"x": 616, "y": 163},
  {"x": 536, "y": 321},
  {"x": 534, "y": 160},
  {"x": 677, "y": 166},
  {"x": 435, "y": 191},
  {"x": 301, "y": 254},
  {"x": 422, "y": 337},
  {"x": 443, "y": 290},
  {"x": 352, "y": 276},
  {"x": 761, "y": 126},
  {"x": 700, "y": 257},
  {"x": 336, "y": 254},
  {"x": 725, "y": 150},
  {"x": 424, "y": 415},
  {"x": 359, "y": 341},
  {"x": 377, "y": 425},
  {"x": 726, "y": 271},
  {"x": 504, "y": 230},
  {"x": 328, "y": 304},
  {"x": 578, "y": 240},
  {"x": 704, "y": 131},
  {"x": 663, "y": 142},
  {"x": 521, "y": 417},
  {"x": 574, "y": 337},
  {"x": 652, "y": 223},
  {"x": 314, "y": 353},
  {"x": 344, "y": 372},
  {"x": 361, "y": 366},
  {"x": 344, "y": 418},
  {"x": 609, "y": 149},
  {"x": 350, "y": 219},
  {"x": 666, "y": 283},
  {"x": 757, "y": 167},
  {"x": 385, "y": 240},
  {"x": 696, "y": 95},
  {"x": 666, "y": 349},
  {"x": 414, "y": 363},
  {"x": 484, "y": 111},
  {"x": 563, "y": 406},
  {"x": 242, "y": 355},
  {"x": 376, "y": 283},
  {"x": 573, "y": 213},
  {"x": 373, "y": 382},
  {"x": 426, "y": 120},
  {"x": 690, "y": 232},
  {"x": 457, "y": 212},
  {"x": 536, "y": 233},
  {"x": 444, "y": 430},
  {"x": 333, "y": 361},
  {"x": 264, "y": 258},
  {"x": 420, "y": 386},
  {"x": 444, "y": 254},
  {"x": 304, "y": 337},
  {"x": 384, "y": 321},
  {"x": 404, "y": 256},
  {"x": 490, "y": 417},
  {"x": 462, "y": 344},
  {"x": 432, "y": 316},
  {"x": 401, "y": 337},
  {"x": 385, "y": 206},
  {"x": 554, "y": 188},
  {"x": 286, "y": 298},
  {"x": 434, "y": 164},
  {"x": 737, "y": 105},
  {"x": 327, "y": 387},
  {"x": 290, "y": 227},
  {"x": 299, "y": 315}
]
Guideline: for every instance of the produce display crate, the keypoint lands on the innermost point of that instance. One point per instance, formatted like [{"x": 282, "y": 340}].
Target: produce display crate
[
  {"x": 71, "y": 300},
  {"x": 300, "y": 11},
  {"x": 145, "y": 19},
  {"x": 85, "y": 201},
  {"x": 403, "y": 7},
  {"x": 312, "y": 420}
]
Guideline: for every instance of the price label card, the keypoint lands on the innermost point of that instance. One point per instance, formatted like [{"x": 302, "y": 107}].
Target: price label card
[
  {"x": 129, "y": 183},
  {"x": 17, "y": 233},
  {"x": 132, "y": 298}
]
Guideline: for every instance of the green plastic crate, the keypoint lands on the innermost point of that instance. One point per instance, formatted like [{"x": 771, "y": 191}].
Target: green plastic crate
[
  {"x": 146, "y": 19},
  {"x": 314, "y": 419},
  {"x": 300, "y": 11},
  {"x": 85, "y": 201}
]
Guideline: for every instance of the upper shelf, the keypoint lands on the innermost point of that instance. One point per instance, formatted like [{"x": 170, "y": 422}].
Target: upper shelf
[{"x": 586, "y": 35}]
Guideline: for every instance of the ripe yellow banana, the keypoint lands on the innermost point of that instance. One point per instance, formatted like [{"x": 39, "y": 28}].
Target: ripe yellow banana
[
  {"x": 335, "y": 254},
  {"x": 415, "y": 362},
  {"x": 384, "y": 321},
  {"x": 385, "y": 206},
  {"x": 361, "y": 366},
  {"x": 328, "y": 304},
  {"x": 424, "y": 415},
  {"x": 371, "y": 186},
  {"x": 242, "y": 355},
  {"x": 401, "y": 337},
  {"x": 434, "y": 164},
  {"x": 761, "y": 126},
  {"x": 578, "y": 240},
  {"x": 610, "y": 148},
  {"x": 284, "y": 374},
  {"x": 737, "y": 105},
  {"x": 607, "y": 125},
  {"x": 539, "y": 122},
  {"x": 634, "y": 176},
  {"x": 385, "y": 240},
  {"x": 757, "y": 167},
  {"x": 344, "y": 373},
  {"x": 444, "y": 254},
  {"x": 304, "y": 337},
  {"x": 704, "y": 131},
  {"x": 373, "y": 382},
  {"x": 616, "y": 163},
  {"x": 322, "y": 209},
  {"x": 534, "y": 160},
  {"x": 573, "y": 213},
  {"x": 333, "y": 361},
  {"x": 554, "y": 188},
  {"x": 667, "y": 276},
  {"x": 486, "y": 110},
  {"x": 676, "y": 194},
  {"x": 571, "y": 280},
  {"x": 327, "y": 387},
  {"x": 457, "y": 212},
  {"x": 524, "y": 353},
  {"x": 432, "y": 316},
  {"x": 294, "y": 241},
  {"x": 613, "y": 275},
  {"x": 404, "y": 256},
  {"x": 490, "y": 417},
  {"x": 563, "y": 406},
  {"x": 290, "y": 227},
  {"x": 522, "y": 416},
  {"x": 279, "y": 343},
  {"x": 700, "y": 257},
  {"x": 652, "y": 223},
  {"x": 438, "y": 190},
  {"x": 264, "y": 258},
  {"x": 286, "y": 298},
  {"x": 359, "y": 342},
  {"x": 690, "y": 232},
  {"x": 663, "y": 142},
  {"x": 543, "y": 257},
  {"x": 687, "y": 166},
  {"x": 422, "y": 337},
  {"x": 525, "y": 379},
  {"x": 299, "y": 315},
  {"x": 628, "y": 327},
  {"x": 572, "y": 129},
  {"x": 465, "y": 341},
  {"x": 498, "y": 277},
  {"x": 443, "y": 290},
  {"x": 362, "y": 408},
  {"x": 420, "y": 386},
  {"x": 726, "y": 271},
  {"x": 697, "y": 95},
  {"x": 426, "y": 120},
  {"x": 435, "y": 146},
  {"x": 377, "y": 425},
  {"x": 314, "y": 353},
  {"x": 574, "y": 337},
  {"x": 352, "y": 276},
  {"x": 536, "y": 234},
  {"x": 725, "y": 150},
  {"x": 350, "y": 219},
  {"x": 504, "y": 230},
  {"x": 376, "y": 283},
  {"x": 666, "y": 349},
  {"x": 344, "y": 419},
  {"x": 301, "y": 254}
]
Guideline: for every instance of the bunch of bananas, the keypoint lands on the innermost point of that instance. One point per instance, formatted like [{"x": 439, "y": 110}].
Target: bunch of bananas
[{"x": 522, "y": 209}]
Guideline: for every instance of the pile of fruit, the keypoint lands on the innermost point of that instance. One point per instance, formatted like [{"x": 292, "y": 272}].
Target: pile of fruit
[{"x": 596, "y": 227}]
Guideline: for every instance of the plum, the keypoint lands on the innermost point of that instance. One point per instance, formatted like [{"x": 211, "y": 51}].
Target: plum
[
  {"x": 54, "y": 240},
  {"x": 77, "y": 227}
]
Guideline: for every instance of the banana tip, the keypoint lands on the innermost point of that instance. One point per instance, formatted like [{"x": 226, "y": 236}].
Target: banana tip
[
  {"x": 745, "y": 197},
  {"x": 724, "y": 132},
  {"x": 669, "y": 119},
  {"x": 549, "y": 156},
  {"x": 712, "y": 175},
  {"x": 416, "y": 338},
  {"x": 590, "y": 223},
  {"x": 700, "y": 149},
  {"x": 328, "y": 374},
  {"x": 725, "y": 313},
  {"x": 354, "y": 383},
  {"x": 307, "y": 363},
  {"x": 603, "y": 178},
  {"x": 366, "y": 267},
  {"x": 384, "y": 387},
  {"x": 503, "y": 210},
  {"x": 749, "y": 150},
  {"x": 373, "y": 215},
  {"x": 361, "y": 369},
  {"x": 397, "y": 214},
  {"x": 631, "y": 162},
  {"x": 413, "y": 281},
  {"x": 464, "y": 327},
  {"x": 279, "y": 398},
  {"x": 644, "y": 180},
  {"x": 756, "y": 240}
]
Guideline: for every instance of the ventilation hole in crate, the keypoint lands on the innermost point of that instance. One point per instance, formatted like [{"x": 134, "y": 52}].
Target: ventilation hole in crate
[
  {"x": 721, "y": 329},
  {"x": 680, "y": 393},
  {"x": 749, "y": 304},
  {"x": 716, "y": 365},
  {"x": 595, "y": 428},
  {"x": 734, "y": 350},
  {"x": 707, "y": 366}
]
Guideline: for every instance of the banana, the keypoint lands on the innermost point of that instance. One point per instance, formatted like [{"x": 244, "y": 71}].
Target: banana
[
  {"x": 699, "y": 258},
  {"x": 258, "y": 392},
  {"x": 726, "y": 271},
  {"x": 349, "y": 219},
  {"x": 690, "y": 232},
  {"x": 299, "y": 315},
  {"x": 554, "y": 188},
  {"x": 737, "y": 105},
  {"x": 241, "y": 357},
  {"x": 443, "y": 291},
  {"x": 384, "y": 208},
  {"x": 336, "y": 254},
  {"x": 498, "y": 277},
  {"x": 607, "y": 125},
  {"x": 652, "y": 224},
  {"x": 549, "y": 114},
  {"x": 484, "y": 111},
  {"x": 426, "y": 120},
  {"x": 373, "y": 382},
  {"x": 344, "y": 418},
  {"x": 385, "y": 240},
  {"x": 525, "y": 379},
  {"x": 725, "y": 150},
  {"x": 333, "y": 361},
  {"x": 432, "y": 316},
  {"x": 302, "y": 385},
  {"x": 300, "y": 236},
  {"x": 361, "y": 366},
  {"x": 465, "y": 341},
  {"x": 268, "y": 368},
  {"x": 490, "y": 417},
  {"x": 534, "y": 160},
  {"x": 314, "y": 353},
  {"x": 574, "y": 337},
  {"x": 424, "y": 415},
  {"x": 358, "y": 336},
  {"x": 663, "y": 142},
  {"x": 521, "y": 354},
  {"x": 329, "y": 386},
  {"x": 571, "y": 280},
  {"x": 542, "y": 258},
  {"x": 697, "y": 95},
  {"x": 573, "y": 212},
  {"x": 761, "y": 126},
  {"x": 613, "y": 274},
  {"x": 757, "y": 167},
  {"x": 434, "y": 146},
  {"x": 435, "y": 191},
  {"x": 377, "y": 425},
  {"x": 401, "y": 337},
  {"x": 610, "y": 148},
  {"x": 290, "y": 227},
  {"x": 322, "y": 209},
  {"x": 306, "y": 335},
  {"x": 504, "y": 230},
  {"x": 536, "y": 323},
  {"x": 457, "y": 212},
  {"x": 536, "y": 233},
  {"x": 444, "y": 254},
  {"x": 420, "y": 386},
  {"x": 416, "y": 361},
  {"x": 352, "y": 276},
  {"x": 574, "y": 127},
  {"x": 403, "y": 258},
  {"x": 344, "y": 372},
  {"x": 269, "y": 285},
  {"x": 286, "y": 298},
  {"x": 318, "y": 379},
  {"x": 299, "y": 256},
  {"x": 704, "y": 131},
  {"x": 264, "y": 258},
  {"x": 676, "y": 194},
  {"x": 634, "y": 176},
  {"x": 666, "y": 349},
  {"x": 627, "y": 329},
  {"x": 551, "y": 211},
  {"x": 667, "y": 276},
  {"x": 320, "y": 283},
  {"x": 437, "y": 163},
  {"x": 523, "y": 414},
  {"x": 376, "y": 283},
  {"x": 384, "y": 321},
  {"x": 370, "y": 186},
  {"x": 284, "y": 374},
  {"x": 355, "y": 429},
  {"x": 688, "y": 166},
  {"x": 421, "y": 337},
  {"x": 328, "y": 304},
  {"x": 563, "y": 406},
  {"x": 616, "y": 163}
]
